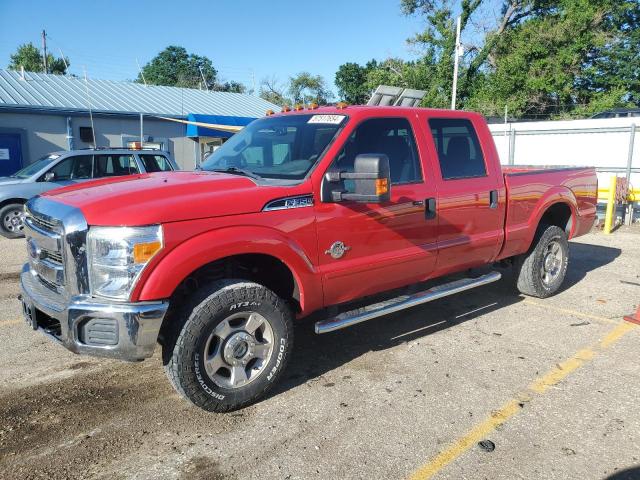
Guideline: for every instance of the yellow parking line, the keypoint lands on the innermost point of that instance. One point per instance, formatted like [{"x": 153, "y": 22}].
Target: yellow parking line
[
  {"x": 498, "y": 417},
  {"x": 569, "y": 311},
  {"x": 10, "y": 322}
]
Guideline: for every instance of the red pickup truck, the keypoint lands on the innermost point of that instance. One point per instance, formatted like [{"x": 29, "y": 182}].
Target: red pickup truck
[{"x": 298, "y": 212}]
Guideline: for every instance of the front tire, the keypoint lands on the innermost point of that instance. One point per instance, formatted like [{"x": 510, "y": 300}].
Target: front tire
[
  {"x": 541, "y": 271},
  {"x": 233, "y": 346},
  {"x": 12, "y": 220}
]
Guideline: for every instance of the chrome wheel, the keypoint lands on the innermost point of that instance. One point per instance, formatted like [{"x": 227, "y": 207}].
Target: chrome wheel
[
  {"x": 238, "y": 349},
  {"x": 13, "y": 220},
  {"x": 552, "y": 261}
]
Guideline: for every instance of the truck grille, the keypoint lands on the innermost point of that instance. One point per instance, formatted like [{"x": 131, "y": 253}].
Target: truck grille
[
  {"x": 44, "y": 223},
  {"x": 44, "y": 248}
]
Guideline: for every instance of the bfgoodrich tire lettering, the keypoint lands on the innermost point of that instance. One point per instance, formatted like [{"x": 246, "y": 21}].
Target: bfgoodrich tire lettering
[
  {"x": 541, "y": 271},
  {"x": 233, "y": 346}
]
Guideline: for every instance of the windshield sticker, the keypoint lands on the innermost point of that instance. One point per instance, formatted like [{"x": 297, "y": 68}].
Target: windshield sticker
[{"x": 328, "y": 119}]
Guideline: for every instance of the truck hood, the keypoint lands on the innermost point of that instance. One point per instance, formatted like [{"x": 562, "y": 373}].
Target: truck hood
[
  {"x": 10, "y": 181},
  {"x": 154, "y": 198}
]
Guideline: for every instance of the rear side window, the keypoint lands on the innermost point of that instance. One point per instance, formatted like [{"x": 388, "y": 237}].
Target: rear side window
[
  {"x": 458, "y": 148},
  {"x": 155, "y": 163},
  {"x": 114, "y": 165}
]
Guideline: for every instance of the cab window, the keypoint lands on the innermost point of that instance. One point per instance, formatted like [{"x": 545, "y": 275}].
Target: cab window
[
  {"x": 155, "y": 163},
  {"x": 114, "y": 165},
  {"x": 458, "y": 148},
  {"x": 390, "y": 136}
]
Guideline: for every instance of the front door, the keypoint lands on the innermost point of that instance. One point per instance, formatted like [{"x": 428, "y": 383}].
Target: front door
[
  {"x": 367, "y": 248},
  {"x": 10, "y": 154}
]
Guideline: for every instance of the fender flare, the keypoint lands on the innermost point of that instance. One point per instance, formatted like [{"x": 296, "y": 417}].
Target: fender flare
[
  {"x": 164, "y": 276},
  {"x": 555, "y": 195}
]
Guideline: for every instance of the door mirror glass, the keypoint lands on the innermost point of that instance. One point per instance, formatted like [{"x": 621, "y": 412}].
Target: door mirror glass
[
  {"x": 49, "y": 177},
  {"x": 371, "y": 180}
]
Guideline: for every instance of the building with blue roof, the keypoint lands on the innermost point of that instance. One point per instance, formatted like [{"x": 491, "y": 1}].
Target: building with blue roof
[{"x": 41, "y": 113}]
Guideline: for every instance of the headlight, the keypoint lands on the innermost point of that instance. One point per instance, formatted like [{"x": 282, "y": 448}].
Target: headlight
[{"x": 117, "y": 255}]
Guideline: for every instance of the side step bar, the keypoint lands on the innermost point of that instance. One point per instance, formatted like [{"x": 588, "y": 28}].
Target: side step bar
[{"x": 359, "y": 315}]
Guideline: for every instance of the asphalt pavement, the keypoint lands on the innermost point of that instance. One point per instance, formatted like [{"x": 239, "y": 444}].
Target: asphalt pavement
[{"x": 548, "y": 386}]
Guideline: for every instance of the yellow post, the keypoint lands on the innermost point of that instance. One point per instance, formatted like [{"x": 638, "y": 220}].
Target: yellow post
[{"x": 611, "y": 205}]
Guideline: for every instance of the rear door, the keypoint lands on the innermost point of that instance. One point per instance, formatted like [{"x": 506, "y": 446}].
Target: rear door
[
  {"x": 469, "y": 210},
  {"x": 386, "y": 245}
]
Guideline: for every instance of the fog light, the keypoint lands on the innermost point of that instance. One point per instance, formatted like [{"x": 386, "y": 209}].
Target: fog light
[{"x": 99, "y": 332}]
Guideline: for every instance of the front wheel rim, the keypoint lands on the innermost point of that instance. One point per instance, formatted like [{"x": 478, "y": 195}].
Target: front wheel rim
[
  {"x": 13, "y": 221},
  {"x": 238, "y": 350},
  {"x": 552, "y": 263}
]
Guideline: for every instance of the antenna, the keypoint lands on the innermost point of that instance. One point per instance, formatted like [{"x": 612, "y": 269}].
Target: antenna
[
  {"x": 66, "y": 65},
  {"x": 206, "y": 86},
  {"x": 86, "y": 84},
  {"x": 141, "y": 72}
]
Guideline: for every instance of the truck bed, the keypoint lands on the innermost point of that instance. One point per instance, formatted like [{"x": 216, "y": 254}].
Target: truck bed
[{"x": 531, "y": 189}]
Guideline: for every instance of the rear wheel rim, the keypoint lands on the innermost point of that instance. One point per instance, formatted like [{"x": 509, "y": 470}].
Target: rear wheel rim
[
  {"x": 552, "y": 263},
  {"x": 13, "y": 221},
  {"x": 238, "y": 350}
]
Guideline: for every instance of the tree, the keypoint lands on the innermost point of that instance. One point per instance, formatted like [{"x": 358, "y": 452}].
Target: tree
[
  {"x": 540, "y": 58},
  {"x": 272, "y": 91},
  {"x": 306, "y": 88},
  {"x": 174, "y": 67},
  {"x": 29, "y": 57},
  {"x": 351, "y": 80},
  {"x": 230, "y": 86}
]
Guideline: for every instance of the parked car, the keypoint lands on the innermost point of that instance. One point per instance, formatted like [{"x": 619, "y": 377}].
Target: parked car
[
  {"x": 68, "y": 167},
  {"x": 300, "y": 212},
  {"x": 618, "y": 113}
]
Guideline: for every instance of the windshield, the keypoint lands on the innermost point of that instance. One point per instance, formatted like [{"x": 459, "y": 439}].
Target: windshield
[
  {"x": 284, "y": 147},
  {"x": 35, "y": 167}
]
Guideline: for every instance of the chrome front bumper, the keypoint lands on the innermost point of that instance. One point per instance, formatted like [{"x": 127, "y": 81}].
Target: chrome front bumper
[{"x": 125, "y": 331}]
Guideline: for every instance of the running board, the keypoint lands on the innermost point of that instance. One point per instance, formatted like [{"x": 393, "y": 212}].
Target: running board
[{"x": 396, "y": 304}]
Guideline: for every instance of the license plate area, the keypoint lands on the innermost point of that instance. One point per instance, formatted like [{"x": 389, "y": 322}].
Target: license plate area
[
  {"x": 29, "y": 313},
  {"x": 36, "y": 319}
]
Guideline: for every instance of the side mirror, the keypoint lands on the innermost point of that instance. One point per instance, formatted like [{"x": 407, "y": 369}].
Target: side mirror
[
  {"x": 371, "y": 177},
  {"x": 49, "y": 177}
]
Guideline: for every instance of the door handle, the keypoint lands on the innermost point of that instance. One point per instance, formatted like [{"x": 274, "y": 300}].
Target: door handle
[
  {"x": 430, "y": 209},
  {"x": 493, "y": 199},
  {"x": 418, "y": 203}
]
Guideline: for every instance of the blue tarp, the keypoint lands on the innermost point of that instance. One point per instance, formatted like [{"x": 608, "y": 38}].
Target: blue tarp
[{"x": 197, "y": 131}]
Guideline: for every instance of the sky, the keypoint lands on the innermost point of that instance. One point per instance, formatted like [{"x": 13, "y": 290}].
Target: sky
[{"x": 244, "y": 39}]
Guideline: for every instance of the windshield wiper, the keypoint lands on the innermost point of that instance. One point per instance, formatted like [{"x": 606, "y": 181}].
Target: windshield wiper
[{"x": 238, "y": 171}]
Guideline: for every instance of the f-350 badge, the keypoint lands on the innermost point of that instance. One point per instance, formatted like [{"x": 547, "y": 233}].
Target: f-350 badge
[{"x": 337, "y": 250}]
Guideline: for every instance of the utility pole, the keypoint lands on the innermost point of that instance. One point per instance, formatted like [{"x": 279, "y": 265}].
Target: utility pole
[
  {"x": 44, "y": 50},
  {"x": 456, "y": 60}
]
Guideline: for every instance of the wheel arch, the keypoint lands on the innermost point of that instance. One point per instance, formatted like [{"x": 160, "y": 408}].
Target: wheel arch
[{"x": 259, "y": 254}]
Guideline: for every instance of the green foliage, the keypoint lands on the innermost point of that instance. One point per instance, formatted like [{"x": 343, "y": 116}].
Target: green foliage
[
  {"x": 174, "y": 67},
  {"x": 306, "y": 88},
  {"x": 272, "y": 91},
  {"x": 541, "y": 58},
  {"x": 351, "y": 80},
  {"x": 231, "y": 86},
  {"x": 29, "y": 57}
]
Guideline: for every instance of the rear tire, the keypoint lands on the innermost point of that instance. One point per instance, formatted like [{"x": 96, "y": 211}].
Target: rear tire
[
  {"x": 12, "y": 220},
  {"x": 233, "y": 346},
  {"x": 541, "y": 271}
]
